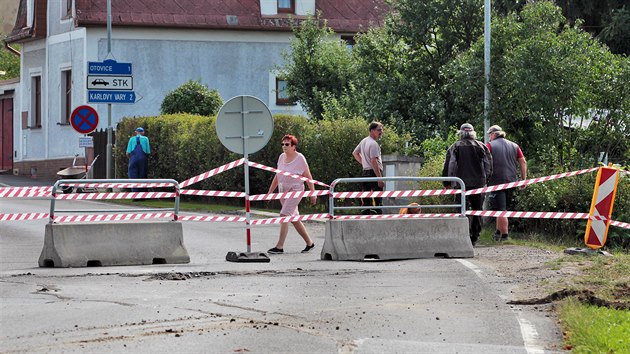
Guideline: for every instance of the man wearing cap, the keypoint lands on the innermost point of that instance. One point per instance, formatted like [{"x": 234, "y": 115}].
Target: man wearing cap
[
  {"x": 505, "y": 156},
  {"x": 138, "y": 150},
  {"x": 470, "y": 160}
]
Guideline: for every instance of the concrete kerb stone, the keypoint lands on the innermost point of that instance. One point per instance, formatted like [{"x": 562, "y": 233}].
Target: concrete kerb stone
[
  {"x": 388, "y": 239},
  {"x": 110, "y": 244}
]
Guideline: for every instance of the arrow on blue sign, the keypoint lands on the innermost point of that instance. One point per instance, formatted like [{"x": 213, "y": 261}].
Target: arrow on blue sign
[
  {"x": 111, "y": 96},
  {"x": 108, "y": 67}
]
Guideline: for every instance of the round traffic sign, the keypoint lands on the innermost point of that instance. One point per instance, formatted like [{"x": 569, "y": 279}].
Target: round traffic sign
[
  {"x": 84, "y": 119},
  {"x": 244, "y": 124}
]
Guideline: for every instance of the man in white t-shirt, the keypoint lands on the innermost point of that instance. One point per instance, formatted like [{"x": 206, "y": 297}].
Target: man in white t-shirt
[{"x": 368, "y": 154}]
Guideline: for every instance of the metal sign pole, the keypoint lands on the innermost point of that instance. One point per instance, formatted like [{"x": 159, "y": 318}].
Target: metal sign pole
[
  {"x": 245, "y": 155},
  {"x": 254, "y": 121},
  {"x": 108, "y": 160}
]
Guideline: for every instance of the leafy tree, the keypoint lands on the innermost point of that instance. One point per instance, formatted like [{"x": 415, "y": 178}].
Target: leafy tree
[
  {"x": 609, "y": 20},
  {"x": 9, "y": 63},
  {"x": 192, "y": 97},
  {"x": 318, "y": 66},
  {"x": 547, "y": 79}
]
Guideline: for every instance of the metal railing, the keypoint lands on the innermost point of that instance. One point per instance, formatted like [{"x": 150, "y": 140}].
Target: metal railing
[
  {"x": 331, "y": 201},
  {"x": 142, "y": 183}
]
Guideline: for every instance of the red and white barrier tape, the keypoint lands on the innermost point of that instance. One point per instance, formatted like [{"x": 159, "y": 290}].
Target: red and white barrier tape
[
  {"x": 24, "y": 192},
  {"x": 288, "y": 195},
  {"x": 395, "y": 194},
  {"x": 289, "y": 219},
  {"x": 396, "y": 216},
  {"x": 528, "y": 214},
  {"x": 205, "y": 193},
  {"x": 624, "y": 225},
  {"x": 211, "y": 218},
  {"x": 213, "y": 172},
  {"x": 111, "y": 217},
  {"x": 529, "y": 181},
  {"x": 23, "y": 216},
  {"x": 271, "y": 169},
  {"x": 126, "y": 195},
  {"x": 119, "y": 185}
]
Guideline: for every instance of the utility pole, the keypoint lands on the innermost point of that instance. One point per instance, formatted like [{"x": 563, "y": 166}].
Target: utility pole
[
  {"x": 108, "y": 162},
  {"x": 486, "y": 60}
]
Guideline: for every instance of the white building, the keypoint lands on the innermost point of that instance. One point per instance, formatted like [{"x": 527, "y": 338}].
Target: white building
[{"x": 230, "y": 45}]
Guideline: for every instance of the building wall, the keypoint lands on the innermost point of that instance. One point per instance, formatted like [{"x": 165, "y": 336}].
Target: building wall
[{"x": 233, "y": 62}]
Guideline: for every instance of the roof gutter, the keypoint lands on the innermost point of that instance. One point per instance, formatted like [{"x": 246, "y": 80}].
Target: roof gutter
[{"x": 11, "y": 49}]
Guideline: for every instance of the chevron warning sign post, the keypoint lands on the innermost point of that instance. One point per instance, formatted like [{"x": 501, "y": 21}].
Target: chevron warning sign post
[{"x": 601, "y": 207}]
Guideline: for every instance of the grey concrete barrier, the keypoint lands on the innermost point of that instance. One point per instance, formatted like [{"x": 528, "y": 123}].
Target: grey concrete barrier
[
  {"x": 108, "y": 244},
  {"x": 356, "y": 239}
]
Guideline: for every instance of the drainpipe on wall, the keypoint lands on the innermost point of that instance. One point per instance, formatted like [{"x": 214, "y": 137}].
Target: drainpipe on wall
[{"x": 11, "y": 49}]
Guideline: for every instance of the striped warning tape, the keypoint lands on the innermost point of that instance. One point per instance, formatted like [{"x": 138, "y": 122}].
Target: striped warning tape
[
  {"x": 24, "y": 192},
  {"x": 395, "y": 194},
  {"x": 287, "y": 195},
  {"x": 111, "y": 217},
  {"x": 211, "y": 218},
  {"x": 213, "y": 172},
  {"x": 271, "y": 169},
  {"x": 529, "y": 181},
  {"x": 107, "y": 196},
  {"x": 118, "y": 185},
  {"x": 289, "y": 219},
  {"x": 212, "y": 193},
  {"x": 23, "y": 216}
]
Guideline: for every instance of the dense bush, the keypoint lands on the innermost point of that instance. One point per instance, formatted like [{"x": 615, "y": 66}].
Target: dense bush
[
  {"x": 192, "y": 97},
  {"x": 184, "y": 146}
]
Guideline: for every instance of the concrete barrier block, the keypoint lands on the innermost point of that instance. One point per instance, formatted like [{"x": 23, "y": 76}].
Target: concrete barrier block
[
  {"x": 358, "y": 239},
  {"x": 108, "y": 244}
]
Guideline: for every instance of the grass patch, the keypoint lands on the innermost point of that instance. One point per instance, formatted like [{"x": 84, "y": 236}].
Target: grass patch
[{"x": 593, "y": 329}]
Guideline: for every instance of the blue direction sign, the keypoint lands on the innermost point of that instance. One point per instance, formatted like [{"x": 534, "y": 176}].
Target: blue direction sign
[
  {"x": 104, "y": 96},
  {"x": 108, "y": 67}
]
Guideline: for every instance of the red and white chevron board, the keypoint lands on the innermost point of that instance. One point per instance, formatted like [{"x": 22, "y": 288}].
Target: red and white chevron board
[
  {"x": 302, "y": 194},
  {"x": 213, "y": 172},
  {"x": 601, "y": 206},
  {"x": 205, "y": 193},
  {"x": 23, "y": 216},
  {"x": 111, "y": 217},
  {"x": 214, "y": 218},
  {"x": 271, "y": 169},
  {"x": 284, "y": 219},
  {"x": 108, "y": 196}
]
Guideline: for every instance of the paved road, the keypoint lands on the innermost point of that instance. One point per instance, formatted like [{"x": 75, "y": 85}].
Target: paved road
[{"x": 296, "y": 303}]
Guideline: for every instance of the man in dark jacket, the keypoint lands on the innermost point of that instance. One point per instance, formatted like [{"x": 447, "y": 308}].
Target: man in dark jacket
[{"x": 470, "y": 160}]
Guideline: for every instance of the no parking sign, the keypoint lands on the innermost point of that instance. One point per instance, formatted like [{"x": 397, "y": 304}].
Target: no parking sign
[{"x": 84, "y": 119}]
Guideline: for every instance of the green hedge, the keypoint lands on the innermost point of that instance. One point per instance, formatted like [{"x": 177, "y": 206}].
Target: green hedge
[{"x": 183, "y": 146}]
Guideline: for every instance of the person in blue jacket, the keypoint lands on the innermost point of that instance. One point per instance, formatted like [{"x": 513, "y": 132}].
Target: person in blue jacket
[{"x": 138, "y": 150}]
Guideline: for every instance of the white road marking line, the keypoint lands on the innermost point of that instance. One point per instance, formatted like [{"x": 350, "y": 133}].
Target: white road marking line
[{"x": 528, "y": 331}]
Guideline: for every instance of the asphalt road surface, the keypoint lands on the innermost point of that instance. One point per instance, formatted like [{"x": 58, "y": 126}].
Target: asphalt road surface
[{"x": 296, "y": 303}]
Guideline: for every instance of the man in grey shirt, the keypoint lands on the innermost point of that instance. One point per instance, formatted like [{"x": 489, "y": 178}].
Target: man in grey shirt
[
  {"x": 368, "y": 154},
  {"x": 506, "y": 155}
]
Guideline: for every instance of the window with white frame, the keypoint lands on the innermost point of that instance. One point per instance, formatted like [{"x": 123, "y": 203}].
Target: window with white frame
[
  {"x": 36, "y": 102},
  {"x": 65, "y": 96},
  {"x": 282, "y": 94},
  {"x": 286, "y": 6},
  {"x": 66, "y": 9}
]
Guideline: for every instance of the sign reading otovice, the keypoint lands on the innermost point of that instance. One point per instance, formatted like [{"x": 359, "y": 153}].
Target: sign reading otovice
[{"x": 110, "y": 82}]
